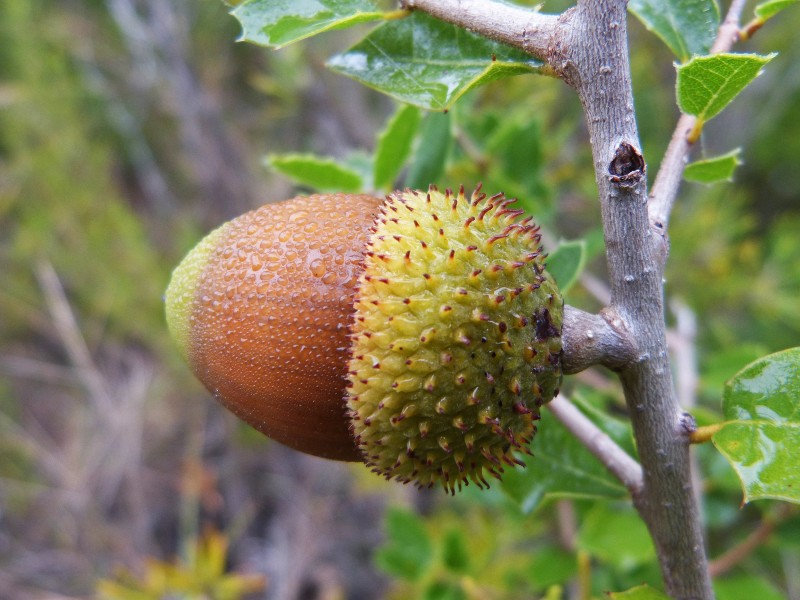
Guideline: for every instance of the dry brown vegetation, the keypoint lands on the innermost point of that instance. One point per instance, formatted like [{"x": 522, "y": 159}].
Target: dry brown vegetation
[{"x": 129, "y": 128}]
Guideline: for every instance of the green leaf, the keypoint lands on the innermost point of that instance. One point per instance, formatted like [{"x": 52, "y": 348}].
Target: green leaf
[
  {"x": 517, "y": 144},
  {"x": 762, "y": 403},
  {"x": 712, "y": 170},
  {"x": 455, "y": 554},
  {"x": 746, "y": 587},
  {"x": 516, "y": 150},
  {"x": 640, "y": 592},
  {"x": 426, "y": 62},
  {"x": 394, "y": 145},
  {"x": 767, "y": 10},
  {"x": 616, "y": 535},
  {"x": 276, "y": 23},
  {"x": 718, "y": 366},
  {"x": 408, "y": 550},
  {"x": 432, "y": 152},
  {"x": 323, "y": 174},
  {"x": 687, "y": 27},
  {"x": 560, "y": 467},
  {"x": 552, "y": 565},
  {"x": 443, "y": 590},
  {"x": 788, "y": 534},
  {"x": 707, "y": 84},
  {"x": 566, "y": 262}
]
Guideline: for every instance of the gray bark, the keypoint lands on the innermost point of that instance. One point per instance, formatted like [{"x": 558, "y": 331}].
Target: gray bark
[
  {"x": 592, "y": 55},
  {"x": 595, "y": 340},
  {"x": 587, "y": 47}
]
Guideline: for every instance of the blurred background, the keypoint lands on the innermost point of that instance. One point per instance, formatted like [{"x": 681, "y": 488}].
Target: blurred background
[{"x": 130, "y": 128}]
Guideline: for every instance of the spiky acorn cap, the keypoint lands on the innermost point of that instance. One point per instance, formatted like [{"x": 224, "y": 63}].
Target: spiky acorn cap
[{"x": 456, "y": 341}]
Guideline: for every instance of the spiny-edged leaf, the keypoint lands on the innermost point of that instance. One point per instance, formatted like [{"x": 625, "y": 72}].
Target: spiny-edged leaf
[
  {"x": 762, "y": 405},
  {"x": 432, "y": 152},
  {"x": 394, "y": 145},
  {"x": 276, "y": 23},
  {"x": 560, "y": 467},
  {"x": 640, "y": 592},
  {"x": 687, "y": 27},
  {"x": 707, "y": 84},
  {"x": 408, "y": 549},
  {"x": 767, "y": 10},
  {"x": 600, "y": 532},
  {"x": 426, "y": 62},
  {"x": 323, "y": 174},
  {"x": 566, "y": 262},
  {"x": 712, "y": 170}
]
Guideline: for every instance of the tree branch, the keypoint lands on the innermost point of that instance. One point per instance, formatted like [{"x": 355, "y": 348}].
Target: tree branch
[
  {"x": 725, "y": 562},
  {"x": 587, "y": 47},
  {"x": 670, "y": 174},
  {"x": 606, "y": 450},
  {"x": 592, "y": 56},
  {"x": 528, "y": 30},
  {"x": 595, "y": 340}
]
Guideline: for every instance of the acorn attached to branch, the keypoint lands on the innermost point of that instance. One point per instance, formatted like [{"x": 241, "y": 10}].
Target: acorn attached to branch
[{"x": 419, "y": 333}]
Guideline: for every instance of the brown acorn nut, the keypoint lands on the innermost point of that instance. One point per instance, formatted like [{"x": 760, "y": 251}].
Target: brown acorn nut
[
  {"x": 420, "y": 333},
  {"x": 261, "y": 310}
]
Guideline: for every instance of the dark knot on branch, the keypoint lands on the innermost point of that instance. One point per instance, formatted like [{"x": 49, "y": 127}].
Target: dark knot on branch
[{"x": 627, "y": 167}]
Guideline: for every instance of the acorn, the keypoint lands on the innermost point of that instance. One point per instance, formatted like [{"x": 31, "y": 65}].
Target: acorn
[{"x": 419, "y": 333}]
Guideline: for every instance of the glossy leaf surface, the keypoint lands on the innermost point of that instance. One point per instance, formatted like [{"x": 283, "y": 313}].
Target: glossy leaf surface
[
  {"x": 762, "y": 403},
  {"x": 687, "y": 27},
  {"x": 423, "y": 61},
  {"x": 276, "y": 23}
]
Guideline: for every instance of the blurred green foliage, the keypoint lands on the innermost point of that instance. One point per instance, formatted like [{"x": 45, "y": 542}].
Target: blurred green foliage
[{"x": 59, "y": 200}]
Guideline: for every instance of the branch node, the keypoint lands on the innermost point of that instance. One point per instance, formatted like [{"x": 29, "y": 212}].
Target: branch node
[
  {"x": 627, "y": 167},
  {"x": 686, "y": 425},
  {"x": 704, "y": 434},
  {"x": 601, "y": 339}
]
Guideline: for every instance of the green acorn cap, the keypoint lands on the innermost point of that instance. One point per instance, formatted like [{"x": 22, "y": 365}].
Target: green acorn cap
[{"x": 456, "y": 341}]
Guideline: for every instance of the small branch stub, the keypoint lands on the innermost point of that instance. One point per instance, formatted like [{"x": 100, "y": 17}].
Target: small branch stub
[
  {"x": 605, "y": 449},
  {"x": 628, "y": 165},
  {"x": 596, "y": 340}
]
